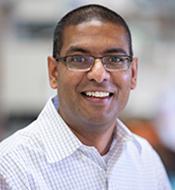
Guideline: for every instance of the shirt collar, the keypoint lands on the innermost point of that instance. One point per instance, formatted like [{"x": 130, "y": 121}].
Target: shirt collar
[
  {"x": 125, "y": 135},
  {"x": 60, "y": 142},
  {"x": 57, "y": 138}
]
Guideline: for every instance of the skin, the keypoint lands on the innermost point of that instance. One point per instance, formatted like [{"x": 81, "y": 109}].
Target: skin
[{"x": 92, "y": 120}]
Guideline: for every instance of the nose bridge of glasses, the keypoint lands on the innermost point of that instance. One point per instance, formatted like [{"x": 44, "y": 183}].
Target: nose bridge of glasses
[
  {"x": 98, "y": 67},
  {"x": 98, "y": 71},
  {"x": 98, "y": 62}
]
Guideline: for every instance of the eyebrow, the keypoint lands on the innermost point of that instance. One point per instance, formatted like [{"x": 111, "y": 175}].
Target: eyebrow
[
  {"x": 115, "y": 50},
  {"x": 76, "y": 49},
  {"x": 107, "y": 51}
]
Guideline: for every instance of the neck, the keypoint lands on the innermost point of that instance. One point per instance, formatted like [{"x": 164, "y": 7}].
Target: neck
[{"x": 101, "y": 140}]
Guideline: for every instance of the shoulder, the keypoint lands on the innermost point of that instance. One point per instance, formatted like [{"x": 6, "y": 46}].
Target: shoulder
[
  {"x": 22, "y": 142},
  {"x": 148, "y": 155},
  {"x": 145, "y": 146},
  {"x": 19, "y": 153},
  {"x": 152, "y": 164}
]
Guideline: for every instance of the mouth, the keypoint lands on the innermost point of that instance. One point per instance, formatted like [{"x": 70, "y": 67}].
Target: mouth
[{"x": 97, "y": 94}]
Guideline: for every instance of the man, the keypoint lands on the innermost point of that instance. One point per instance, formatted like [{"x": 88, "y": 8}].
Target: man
[{"x": 80, "y": 143}]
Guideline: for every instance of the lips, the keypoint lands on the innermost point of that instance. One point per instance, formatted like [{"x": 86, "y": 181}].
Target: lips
[{"x": 97, "y": 94}]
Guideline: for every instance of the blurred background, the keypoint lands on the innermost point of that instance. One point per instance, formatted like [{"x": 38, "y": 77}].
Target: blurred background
[{"x": 26, "y": 30}]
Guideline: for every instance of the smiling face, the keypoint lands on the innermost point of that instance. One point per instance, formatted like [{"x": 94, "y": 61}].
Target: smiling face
[{"x": 92, "y": 100}]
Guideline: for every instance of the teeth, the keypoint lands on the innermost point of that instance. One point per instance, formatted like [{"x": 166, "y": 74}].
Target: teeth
[{"x": 97, "y": 94}]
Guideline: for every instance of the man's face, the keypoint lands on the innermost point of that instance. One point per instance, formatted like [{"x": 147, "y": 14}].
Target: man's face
[{"x": 79, "y": 92}]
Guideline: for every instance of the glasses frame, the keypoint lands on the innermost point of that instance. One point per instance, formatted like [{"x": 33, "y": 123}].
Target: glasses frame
[{"x": 94, "y": 58}]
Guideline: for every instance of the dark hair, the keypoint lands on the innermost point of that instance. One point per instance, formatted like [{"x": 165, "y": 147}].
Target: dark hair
[{"x": 87, "y": 13}]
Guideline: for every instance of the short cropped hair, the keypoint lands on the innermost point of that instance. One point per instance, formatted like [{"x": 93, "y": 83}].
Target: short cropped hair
[{"x": 84, "y": 14}]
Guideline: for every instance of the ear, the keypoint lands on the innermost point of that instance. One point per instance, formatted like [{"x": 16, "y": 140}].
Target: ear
[
  {"x": 52, "y": 71},
  {"x": 134, "y": 68}
]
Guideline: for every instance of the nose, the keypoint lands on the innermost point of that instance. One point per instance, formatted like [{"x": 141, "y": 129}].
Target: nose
[{"x": 98, "y": 72}]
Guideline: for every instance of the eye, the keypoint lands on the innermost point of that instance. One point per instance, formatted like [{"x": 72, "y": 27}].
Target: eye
[
  {"x": 76, "y": 59},
  {"x": 115, "y": 59}
]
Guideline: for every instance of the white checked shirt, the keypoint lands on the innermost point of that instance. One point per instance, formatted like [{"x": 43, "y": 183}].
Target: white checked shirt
[{"x": 46, "y": 155}]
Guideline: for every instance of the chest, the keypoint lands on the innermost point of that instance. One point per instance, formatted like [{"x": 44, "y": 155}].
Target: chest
[{"x": 83, "y": 173}]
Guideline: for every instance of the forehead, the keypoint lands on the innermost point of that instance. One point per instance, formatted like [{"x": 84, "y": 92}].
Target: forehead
[{"x": 95, "y": 36}]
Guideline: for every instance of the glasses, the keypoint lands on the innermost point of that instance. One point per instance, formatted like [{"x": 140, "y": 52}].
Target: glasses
[{"x": 86, "y": 62}]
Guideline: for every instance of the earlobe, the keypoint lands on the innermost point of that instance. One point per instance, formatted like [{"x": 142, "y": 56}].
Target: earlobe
[
  {"x": 52, "y": 71},
  {"x": 134, "y": 68}
]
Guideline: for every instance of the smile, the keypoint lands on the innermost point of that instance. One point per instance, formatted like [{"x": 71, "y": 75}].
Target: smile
[{"x": 97, "y": 94}]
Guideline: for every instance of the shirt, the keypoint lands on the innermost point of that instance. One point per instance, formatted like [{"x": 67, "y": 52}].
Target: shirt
[{"x": 46, "y": 155}]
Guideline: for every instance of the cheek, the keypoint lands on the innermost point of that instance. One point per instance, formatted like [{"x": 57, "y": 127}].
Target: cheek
[
  {"x": 124, "y": 90},
  {"x": 126, "y": 77},
  {"x": 122, "y": 79},
  {"x": 68, "y": 81},
  {"x": 127, "y": 80}
]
